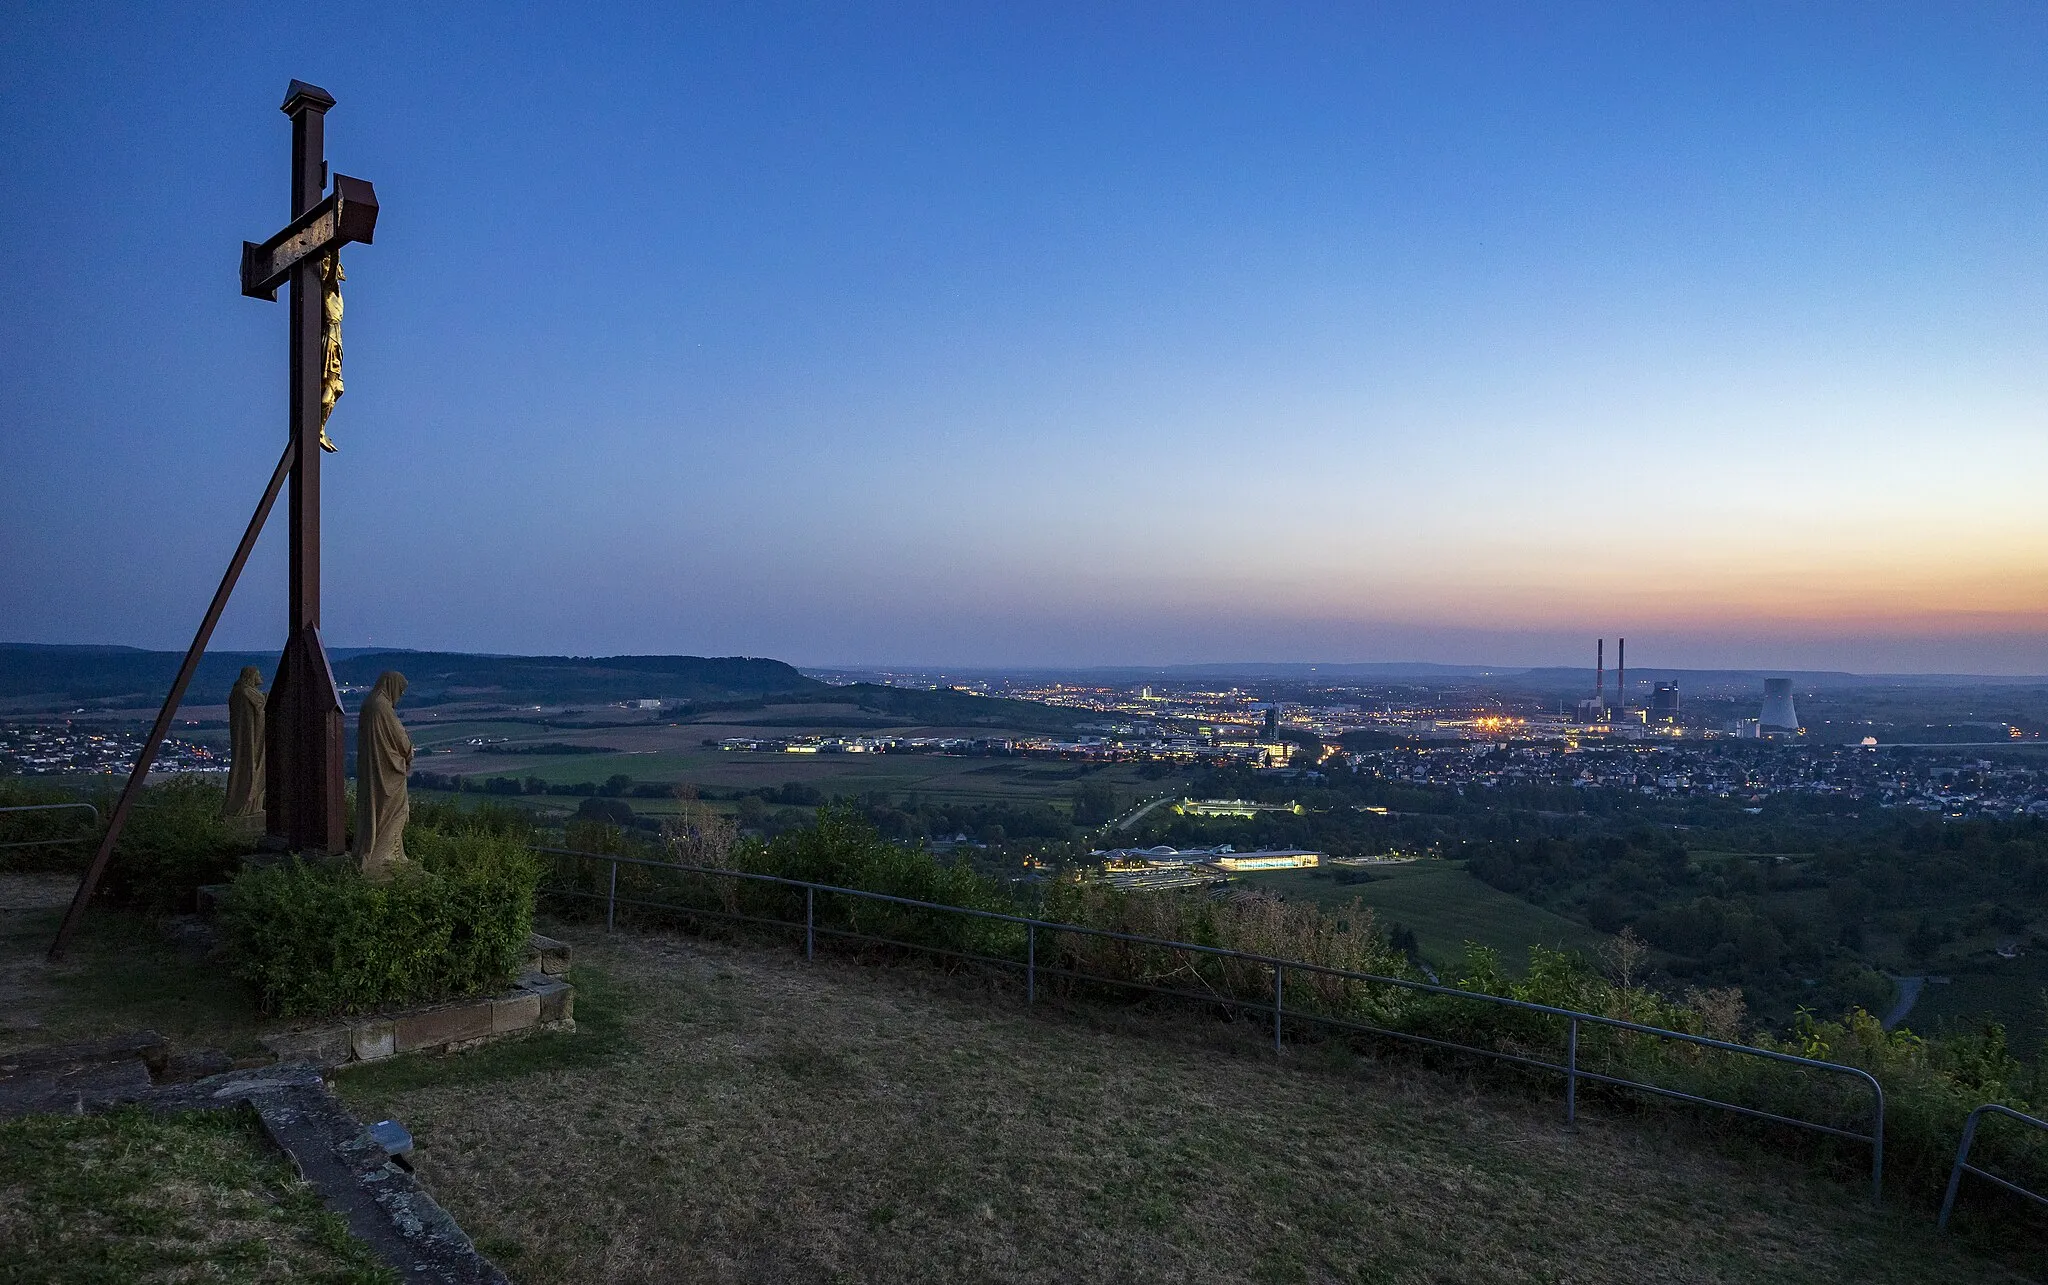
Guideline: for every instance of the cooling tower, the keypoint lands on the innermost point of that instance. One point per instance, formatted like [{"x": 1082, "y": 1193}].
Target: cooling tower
[{"x": 1778, "y": 715}]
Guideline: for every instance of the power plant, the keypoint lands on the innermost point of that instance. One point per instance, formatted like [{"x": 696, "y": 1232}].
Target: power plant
[
  {"x": 1600, "y": 709},
  {"x": 1664, "y": 703},
  {"x": 1662, "y": 707},
  {"x": 1779, "y": 717}
]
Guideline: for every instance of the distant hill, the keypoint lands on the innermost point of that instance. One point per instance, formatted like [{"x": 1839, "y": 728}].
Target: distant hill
[
  {"x": 439, "y": 676},
  {"x": 47, "y": 676},
  {"x": 1540, "y": 678},
  {"x": 946, "y": 707}
]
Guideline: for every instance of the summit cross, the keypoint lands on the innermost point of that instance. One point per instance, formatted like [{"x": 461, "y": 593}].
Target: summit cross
[
  {"x": 304, "y": 761},
  {"x": 304, "y": 756}
]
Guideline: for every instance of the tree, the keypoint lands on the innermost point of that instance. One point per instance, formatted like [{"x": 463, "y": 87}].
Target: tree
[
  {"x": 609, "y": 811},
  {"x": 1094, "y": 803}
]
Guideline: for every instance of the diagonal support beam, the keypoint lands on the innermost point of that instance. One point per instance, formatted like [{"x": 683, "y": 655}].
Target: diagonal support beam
[{"x": 133, "y": 790}]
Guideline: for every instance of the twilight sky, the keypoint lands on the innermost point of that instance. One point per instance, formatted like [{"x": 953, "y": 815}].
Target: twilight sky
[{"x": 1035, "y": 334}]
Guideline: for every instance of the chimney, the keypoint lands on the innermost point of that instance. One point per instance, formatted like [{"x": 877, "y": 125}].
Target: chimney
[
  {"x": 1621, "y": 672},
  {"x": 1600, "y": 671}
]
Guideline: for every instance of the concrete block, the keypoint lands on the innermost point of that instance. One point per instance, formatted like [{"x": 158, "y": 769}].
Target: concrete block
[
  {"x": 546, "y": 955},
  {"x": 516, "y": 1012},
  {"x": 374, "y": 1039},
  {"x": 445, "y": 1025}
]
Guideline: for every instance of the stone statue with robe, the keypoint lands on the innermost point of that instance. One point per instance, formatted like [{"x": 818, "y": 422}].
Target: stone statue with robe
[
  {"x": 246, "y": 775},
  {"x": 383, "y": 762}
]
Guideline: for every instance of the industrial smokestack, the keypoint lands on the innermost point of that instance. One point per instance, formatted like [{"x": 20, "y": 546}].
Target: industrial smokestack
[
  {"x": 1621, "y": 672},
  {"x": 1778, "y": 715},
  {"x": 1600, "y": 671}
]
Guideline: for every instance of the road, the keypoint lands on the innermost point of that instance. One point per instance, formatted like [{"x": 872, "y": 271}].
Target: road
[
  {"x": 1134, "y": 817},
  {"x": 1909, "y": 995}
]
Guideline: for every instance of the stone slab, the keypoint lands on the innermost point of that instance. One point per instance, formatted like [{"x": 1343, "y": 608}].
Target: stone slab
[
  {"x": 515, "y": 1013},
  {"x": 322, "y": 1046},
  {"x": 382, "y": 1204},
  {"x": 374, "y": 1039},
  {"x": 446, "y": 1024},
  {"x": 145, "y": 1046}
]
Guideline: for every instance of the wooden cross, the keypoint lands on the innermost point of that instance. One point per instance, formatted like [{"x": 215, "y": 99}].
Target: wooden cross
[
  {"x": 304, "y": 720},
  {"x": 304, "y": 730}
]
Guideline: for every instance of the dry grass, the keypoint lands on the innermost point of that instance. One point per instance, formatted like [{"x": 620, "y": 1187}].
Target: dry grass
[
  {"x": 119, "y": 975},
  {"x": 743, "y": 1116}
]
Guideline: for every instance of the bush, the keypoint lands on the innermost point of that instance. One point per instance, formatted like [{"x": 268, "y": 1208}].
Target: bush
[
  {"x": 317, "y": 939},
  {"x": 174, "y": 842},
  {"x": 34, "y": 827}
]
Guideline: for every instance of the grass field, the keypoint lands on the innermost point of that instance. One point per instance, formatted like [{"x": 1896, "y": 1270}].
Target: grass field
[
  {"x": 951, "y": 778},
  {"x": 134, "y": 1197},
  {"x": 740, "y": 1115},
  {"x": 118, "y": 975},
  {"x": 1444, "y": 905}
]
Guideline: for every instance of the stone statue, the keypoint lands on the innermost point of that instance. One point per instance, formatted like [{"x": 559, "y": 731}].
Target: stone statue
[
  {"x": 383, "y": 761},
  {"x": 246, "y": 777}
]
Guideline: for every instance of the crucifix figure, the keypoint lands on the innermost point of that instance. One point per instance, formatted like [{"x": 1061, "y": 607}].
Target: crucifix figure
[{"x": 304, "y": 758}]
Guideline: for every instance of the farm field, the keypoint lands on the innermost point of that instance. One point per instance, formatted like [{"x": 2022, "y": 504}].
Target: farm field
[
  {"x": 1445, "y": 906},
  {"x": 676, "y": 754}
]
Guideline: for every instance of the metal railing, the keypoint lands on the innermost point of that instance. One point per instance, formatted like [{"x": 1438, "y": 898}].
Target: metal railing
[
  {"x": 1569, "y": 1067},
  {"x": 81, "y": 837},
  {"x": 1963, "y": 1165}
]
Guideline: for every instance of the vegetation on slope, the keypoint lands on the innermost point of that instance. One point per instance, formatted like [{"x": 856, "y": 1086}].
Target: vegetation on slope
[{"x": 769, "y": 1120}]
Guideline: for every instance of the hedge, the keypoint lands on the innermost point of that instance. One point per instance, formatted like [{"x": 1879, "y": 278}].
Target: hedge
[{"x": 316, "y": 939}]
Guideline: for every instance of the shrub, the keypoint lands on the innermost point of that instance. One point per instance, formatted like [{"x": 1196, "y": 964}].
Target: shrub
[
  {"x": 173, "y": 843},
  {"x": 317, "y": 939},
  {"x": 34, "y": 827}
]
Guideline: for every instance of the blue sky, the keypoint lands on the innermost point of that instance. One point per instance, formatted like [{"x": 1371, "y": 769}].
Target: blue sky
[{"x": 1055, "y": 335}]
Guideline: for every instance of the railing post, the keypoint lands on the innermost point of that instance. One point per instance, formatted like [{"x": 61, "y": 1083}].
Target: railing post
[
  {"x": 810, "y": 921},
  {"x": 1279, "y": 981},
  {"x": 1955, "y": 1175},
  {"x": 1031, "y": 964},
  {"x": 1571, "y": 1072},
  {"x": 611, "y": 900},
  {"x": 1877, "y": 1152}
]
